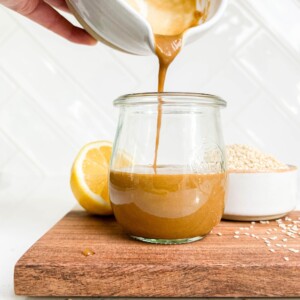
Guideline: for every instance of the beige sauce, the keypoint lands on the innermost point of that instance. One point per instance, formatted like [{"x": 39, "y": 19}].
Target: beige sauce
[{"x": 169, "y": 204}]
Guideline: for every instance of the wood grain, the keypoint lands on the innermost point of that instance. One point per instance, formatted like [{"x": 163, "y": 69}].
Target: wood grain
[{"x": 217, "y": 266}]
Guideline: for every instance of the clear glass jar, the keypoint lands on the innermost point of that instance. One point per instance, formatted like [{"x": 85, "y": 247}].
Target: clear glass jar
[{"x": 181, "y": 197}]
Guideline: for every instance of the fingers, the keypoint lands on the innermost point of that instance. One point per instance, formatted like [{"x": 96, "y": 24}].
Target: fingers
[
  {"x": 59, "y": 4},
  {"x": 48, "y": 17}
]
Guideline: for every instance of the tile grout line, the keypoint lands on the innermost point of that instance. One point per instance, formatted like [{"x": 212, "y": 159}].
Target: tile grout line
[
  {"x": 65, "y": 72},
  {"x": 249, "y": 102},
  {"x": 51, "y": 122},
  {"x": 255, "y": 13},
  {"x": 29, "y": 157},
  {"x": 138, "y": 80},
  {"x": 88, "y": 96},
  {"x": 236, "y": 50},
  {"x": 286, "y": 113},
  {"x": 234, "y": 122},
  {"x": 12, "y": 31}
]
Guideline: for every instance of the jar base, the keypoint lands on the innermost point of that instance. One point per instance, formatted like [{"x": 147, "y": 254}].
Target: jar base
[
  {"x": 167, "y": 241},
  {"x": 253, "y": 218}
]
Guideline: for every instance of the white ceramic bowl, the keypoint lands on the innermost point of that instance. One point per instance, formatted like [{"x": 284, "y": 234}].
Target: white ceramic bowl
[
  {"x": 118, "y": 25},
  {"x": 261, "y": 196}
]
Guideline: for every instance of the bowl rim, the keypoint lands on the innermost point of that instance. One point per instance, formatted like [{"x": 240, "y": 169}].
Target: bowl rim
[{"x": 291, "y": 168}]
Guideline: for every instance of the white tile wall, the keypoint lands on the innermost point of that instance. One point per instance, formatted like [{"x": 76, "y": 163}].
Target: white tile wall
[{"x": 55, "y": 96}]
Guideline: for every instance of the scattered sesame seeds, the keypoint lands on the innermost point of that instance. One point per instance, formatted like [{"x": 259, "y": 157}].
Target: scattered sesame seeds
[{"x": 280, "y": 231}]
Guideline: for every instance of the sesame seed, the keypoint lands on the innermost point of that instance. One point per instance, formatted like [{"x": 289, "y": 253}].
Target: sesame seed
[
  {"x": 286, "y": 258},
  {"x": 246, "y": 233},
  {"x": 278, "y": 245},
  {"x": 273, "y": 238},
  {"x": 272, "y": 250},
  {"x": 285, "y": 240},
  {"x": 294, "y": 250},
  {"x": 219, "y": 234},
  {"x": 264, "y": 222},
  {"x": 254, "y": 222},
  {"x": 236, "y": 236},
  {"x": 236, "y": 232}
]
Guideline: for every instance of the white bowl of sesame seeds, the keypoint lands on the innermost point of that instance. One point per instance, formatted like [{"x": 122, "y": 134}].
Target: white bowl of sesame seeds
[{"x": 259, "y": 186}]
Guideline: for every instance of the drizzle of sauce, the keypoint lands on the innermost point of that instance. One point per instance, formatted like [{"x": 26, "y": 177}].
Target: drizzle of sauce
[
  {"x": 87, "y": 252},
  {"x": 169, "y": 19}
]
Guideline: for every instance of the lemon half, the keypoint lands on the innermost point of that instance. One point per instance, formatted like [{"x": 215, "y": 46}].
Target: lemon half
[{"x": 89, "y": 177}]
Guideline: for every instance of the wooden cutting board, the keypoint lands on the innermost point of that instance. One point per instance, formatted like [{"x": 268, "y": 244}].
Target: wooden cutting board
[{"x": 229, "y": 262}]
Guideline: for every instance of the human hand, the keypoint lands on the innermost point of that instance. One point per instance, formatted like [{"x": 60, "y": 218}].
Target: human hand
[{"x": 43, "y": 13}]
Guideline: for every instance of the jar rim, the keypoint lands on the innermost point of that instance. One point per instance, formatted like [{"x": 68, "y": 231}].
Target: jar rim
[{"x": 172, "y": 98}]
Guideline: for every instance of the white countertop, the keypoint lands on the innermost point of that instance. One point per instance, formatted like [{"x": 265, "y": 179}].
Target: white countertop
[{"x": 28, "y": 208}]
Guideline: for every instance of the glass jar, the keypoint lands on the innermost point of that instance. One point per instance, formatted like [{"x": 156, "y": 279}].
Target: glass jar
[{"x": 168, "y": 169}]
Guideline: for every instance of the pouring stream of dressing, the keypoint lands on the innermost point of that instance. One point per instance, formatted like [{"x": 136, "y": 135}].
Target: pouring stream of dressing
[{"x": 169, "y": 19}]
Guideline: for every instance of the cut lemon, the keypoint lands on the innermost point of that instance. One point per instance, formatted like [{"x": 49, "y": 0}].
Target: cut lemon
[{"x": 89, "y": 177}]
